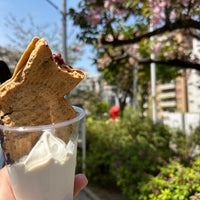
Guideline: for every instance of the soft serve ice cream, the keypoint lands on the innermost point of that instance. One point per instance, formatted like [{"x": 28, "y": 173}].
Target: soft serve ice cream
[{"x": 52, "y": 158}]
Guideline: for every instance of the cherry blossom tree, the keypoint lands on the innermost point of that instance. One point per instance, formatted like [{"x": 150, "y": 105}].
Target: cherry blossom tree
[
  {"x": 22, "y": 30},
  {"x": 119, "y": 22},
  {"x": 128, "y": 32}
]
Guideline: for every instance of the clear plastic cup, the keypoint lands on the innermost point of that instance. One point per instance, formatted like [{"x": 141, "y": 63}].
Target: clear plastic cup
[{"x": 41, "y": 160}]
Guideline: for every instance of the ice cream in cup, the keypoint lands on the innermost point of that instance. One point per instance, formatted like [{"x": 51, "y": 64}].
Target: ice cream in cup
[
  {"x": 47, "y": 171},
  {"x": 39, "y": 125}
]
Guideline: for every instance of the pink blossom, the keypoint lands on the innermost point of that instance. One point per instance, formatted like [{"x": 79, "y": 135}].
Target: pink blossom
[
  {"x": 156, "y": 20},
  {"x": 132, "y": 48},
  {"x": 137, "y": 34},
  {"x": 103, "y": 62},
  {"x": 135, "y": 47},
  {"x": 93, "y": 19},
  {"x": 94, "y": 16},
  {"x": 156, "y": 10},
  {"x": 77, "y": 49},
  {"x": 109, "y": 38},
  {"x": 157, "y": 48},
  {"x": 116, "y": 11},
  {"x": 121, "y": 37},
  {"x": 100, "y": 45},
  {"x": 162, "y": 5},
  {"x": 131, "y": 61},
  {"x": 169, "y": 54},
  {"x": 181, "y": 71},
  {"x": 113, "y": 6},
  {"x": 107, "y": 4}
]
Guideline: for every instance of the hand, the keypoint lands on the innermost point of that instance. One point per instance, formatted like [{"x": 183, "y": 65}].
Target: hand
[{"x": 6, "y": 191}]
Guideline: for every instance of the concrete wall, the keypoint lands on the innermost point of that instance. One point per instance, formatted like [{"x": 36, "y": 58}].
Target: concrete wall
[{"x": 184, "y": 121}]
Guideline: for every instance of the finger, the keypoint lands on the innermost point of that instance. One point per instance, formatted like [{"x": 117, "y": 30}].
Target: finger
[
  {"x": 5, "y": 186},
  {"x": 79, "y": 183}
]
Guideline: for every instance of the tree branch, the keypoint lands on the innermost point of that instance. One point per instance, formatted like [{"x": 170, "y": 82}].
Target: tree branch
[
  {"x": 174, "y": 62},
  {"x": 178, "y": 24}
]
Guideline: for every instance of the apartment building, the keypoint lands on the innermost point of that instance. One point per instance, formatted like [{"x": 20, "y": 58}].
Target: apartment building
[
  {"x": 179, "y": 95},
  {"x": 193, "y": 81},
  {"x": 193, "y": 87},
  {"x": 172, "y": 96},
  {"x": 183, "y": 93}
]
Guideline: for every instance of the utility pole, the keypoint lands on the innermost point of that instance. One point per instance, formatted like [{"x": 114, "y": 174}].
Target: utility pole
[
  {"x": 64, "y": 31},
  {"x": 135, "y": 83},
  {"x": 153, "y": 82},
  {"x": 64, "y": 27}
]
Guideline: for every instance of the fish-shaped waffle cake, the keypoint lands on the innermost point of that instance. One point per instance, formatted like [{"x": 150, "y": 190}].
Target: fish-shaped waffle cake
[{"x": 35, "y": 95}]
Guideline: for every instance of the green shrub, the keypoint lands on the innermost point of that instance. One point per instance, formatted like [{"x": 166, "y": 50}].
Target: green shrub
[
  {"x": 174, "y": 182},
  {"x": 103, "y": 142},
  {"x": 186, "y": 145},
  {"x": 135, "y": 155},
  {"x": 194, "y": 141},
  {"x": 126, "y": 152},
  {"x": 143, "y": 156}
]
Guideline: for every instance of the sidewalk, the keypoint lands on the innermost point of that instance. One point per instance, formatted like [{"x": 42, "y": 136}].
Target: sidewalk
[
  {"x": 87, "y": 194},
  {"x": 100, "y": 194}
]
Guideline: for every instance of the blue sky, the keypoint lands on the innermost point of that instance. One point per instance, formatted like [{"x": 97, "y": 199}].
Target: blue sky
[{"x": 42, "y": 13}]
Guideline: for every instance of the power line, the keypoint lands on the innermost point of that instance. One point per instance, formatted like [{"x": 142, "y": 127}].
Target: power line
[{"x": 54, "y": 5}]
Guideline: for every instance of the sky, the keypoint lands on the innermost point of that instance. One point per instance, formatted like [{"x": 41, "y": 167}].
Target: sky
[{"x": 42, "y": 13}]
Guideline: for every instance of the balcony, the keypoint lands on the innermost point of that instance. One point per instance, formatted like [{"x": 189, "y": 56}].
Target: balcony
[
  {"x": 167, "y": 86},
  {"x": 167, "y": 95},
  {"x": 168, "y": 104}
]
